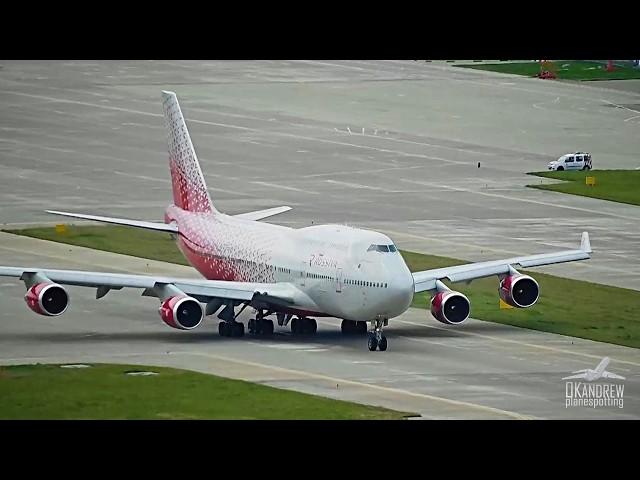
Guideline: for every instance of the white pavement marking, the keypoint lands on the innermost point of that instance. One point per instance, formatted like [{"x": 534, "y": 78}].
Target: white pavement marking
[
  {"x": 517, "y": 199},
  {"x": 284, "y": 187},
  {"x": 621, "y": 106}
]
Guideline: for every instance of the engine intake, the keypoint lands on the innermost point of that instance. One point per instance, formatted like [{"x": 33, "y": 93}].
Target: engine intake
[
  {"x": 181, "y": 312},
  {"x": 450, "y": 307},
  {"x": 519, "y": 290},
  {"x": 47, "y": 298}
]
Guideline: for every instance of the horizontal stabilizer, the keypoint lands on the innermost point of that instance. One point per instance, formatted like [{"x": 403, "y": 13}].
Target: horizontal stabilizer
[
  {"x": 161, "y": 227},
  {"x": 260, "y": 214}
]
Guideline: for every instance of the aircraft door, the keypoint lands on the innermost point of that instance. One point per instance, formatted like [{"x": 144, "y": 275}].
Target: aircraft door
[
  {"x": 339, "y": 280},
  {"x": 303, "y": 273}
]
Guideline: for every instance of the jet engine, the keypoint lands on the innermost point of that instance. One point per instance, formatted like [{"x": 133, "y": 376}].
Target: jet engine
[
  {"x": 181, "y": 312},
  {"x": 519, "y": 290},
  {"x": 450, "y": 307},
  {"x": 47, "y": 298}
]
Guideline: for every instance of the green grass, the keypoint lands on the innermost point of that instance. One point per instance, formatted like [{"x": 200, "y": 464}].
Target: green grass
[
  {"x": 616, "y": 185},
  {"x": 568, "y": 307},
  {"x": 124, "y": 240},
  {"x": 565, "y": 70},
  {"x": 105, "y": 392}
]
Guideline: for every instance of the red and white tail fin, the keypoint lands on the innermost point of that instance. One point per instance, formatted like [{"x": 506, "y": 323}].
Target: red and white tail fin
[{"x": 189, "y": 188}]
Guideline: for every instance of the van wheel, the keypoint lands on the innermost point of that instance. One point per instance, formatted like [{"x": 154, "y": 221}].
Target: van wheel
[{"x": 560, "y": 169}]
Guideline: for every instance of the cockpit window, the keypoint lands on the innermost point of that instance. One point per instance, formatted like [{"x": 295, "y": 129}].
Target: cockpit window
[{"x": 382, "y": 248}]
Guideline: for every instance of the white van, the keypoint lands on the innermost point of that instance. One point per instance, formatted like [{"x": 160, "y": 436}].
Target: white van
[{"x": 572, "y": 161}]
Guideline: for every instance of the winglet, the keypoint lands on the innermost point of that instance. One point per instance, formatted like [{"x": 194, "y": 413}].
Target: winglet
[{"x": 585, "y": 244}]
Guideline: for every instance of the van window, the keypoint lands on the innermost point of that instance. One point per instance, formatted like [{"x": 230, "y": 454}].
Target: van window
[{"x": 569, "y": 160}]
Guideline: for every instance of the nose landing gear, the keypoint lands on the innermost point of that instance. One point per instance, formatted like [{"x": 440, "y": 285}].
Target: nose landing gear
[{"x": 376, "y": 339}]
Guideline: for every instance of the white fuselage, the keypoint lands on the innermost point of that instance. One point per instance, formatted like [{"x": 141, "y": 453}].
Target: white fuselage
[{"x": 334, "y": 270}]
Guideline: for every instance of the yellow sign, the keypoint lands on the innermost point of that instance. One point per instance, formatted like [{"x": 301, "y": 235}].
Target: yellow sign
[
  {"x": 61, "y": 228},
  {"x": 504, "y": 305},
  {"x": 590, "y": 181}
]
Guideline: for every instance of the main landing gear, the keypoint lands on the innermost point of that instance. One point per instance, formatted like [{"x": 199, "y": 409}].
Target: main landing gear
[
  {"x": 303, "y": 325},
  {"x": 231, "y": 329},
  {"x": 352, "y": 327},
  {"x": 260, "y": 326},
  {"x": 376, "y": 336}
]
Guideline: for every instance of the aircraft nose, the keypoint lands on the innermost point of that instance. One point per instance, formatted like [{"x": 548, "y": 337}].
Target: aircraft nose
[{"x": 400, "y": 292}]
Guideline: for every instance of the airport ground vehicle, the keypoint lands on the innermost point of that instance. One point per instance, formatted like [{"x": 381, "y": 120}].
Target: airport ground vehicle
[
  {"x": 572, "y": 161},
  {"x": 352, "y": 274}
]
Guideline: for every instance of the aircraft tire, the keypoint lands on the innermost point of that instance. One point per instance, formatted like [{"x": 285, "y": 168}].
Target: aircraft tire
[{"x": 372, "y": 343}]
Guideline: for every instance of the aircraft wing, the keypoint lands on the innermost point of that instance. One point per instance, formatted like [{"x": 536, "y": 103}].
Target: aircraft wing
[
  {"x": 426, "y": 280},
  {"x": 260, "y": 214},
  {"x": 580, "y": 375},
  {"x": 606, "y": 374},
  {"x": 201, "y": 289},
  {"x": 162, "y": 227}
]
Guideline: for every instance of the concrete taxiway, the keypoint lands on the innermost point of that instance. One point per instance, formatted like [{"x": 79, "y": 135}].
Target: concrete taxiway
[
  {"x": 393, "y": 146},
  {"x": 479, "y": 370},
  {"x": 386, "y": 145}
]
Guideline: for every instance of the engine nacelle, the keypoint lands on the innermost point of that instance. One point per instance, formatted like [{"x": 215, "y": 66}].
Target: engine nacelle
[
  {"x": 450, "y": 307},
  {"x": 519, "y": 290},
  {"x": 47, "y": 298},
  {"x": 181, "y": 312}
]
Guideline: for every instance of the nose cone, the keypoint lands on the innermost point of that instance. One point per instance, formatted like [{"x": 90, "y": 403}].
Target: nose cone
[{"x": 399, "y": 293}]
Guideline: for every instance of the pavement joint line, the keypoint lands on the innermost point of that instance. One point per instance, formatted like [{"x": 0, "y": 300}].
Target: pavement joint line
[
  {"x": 367, "y": 385},
  {"x": 526, "y": 344},
  {"x": 238, "y": 127},
  {"x": 337, "y": 380}
]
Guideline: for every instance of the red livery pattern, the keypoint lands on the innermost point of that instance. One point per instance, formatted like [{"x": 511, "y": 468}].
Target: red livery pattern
[{"x": 189, "y": 188}]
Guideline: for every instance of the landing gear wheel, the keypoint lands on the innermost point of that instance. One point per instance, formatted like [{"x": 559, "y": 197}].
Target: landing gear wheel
[
  {"x": 251, "y": 326},
  {"x": 382, "y": 344},
  {"x": 372, "y": 343},
  {"x": 238, "y": 329},
  {"x": 267, "y": 327},
  {"x": 222, "y": 330},
  {"x": 312, "y": 326},
  {"x": 349, "y": 327},
  {"x": 295, "y": 326}
]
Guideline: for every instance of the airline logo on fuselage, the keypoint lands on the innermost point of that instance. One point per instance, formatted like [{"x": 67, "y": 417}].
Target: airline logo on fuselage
[{"x": 319, "y": 260}]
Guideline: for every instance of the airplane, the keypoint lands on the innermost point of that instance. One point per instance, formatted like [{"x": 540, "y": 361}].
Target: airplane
[
  {"x": 594, "y": 374},
  {"x": 355, "y": 275}
]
